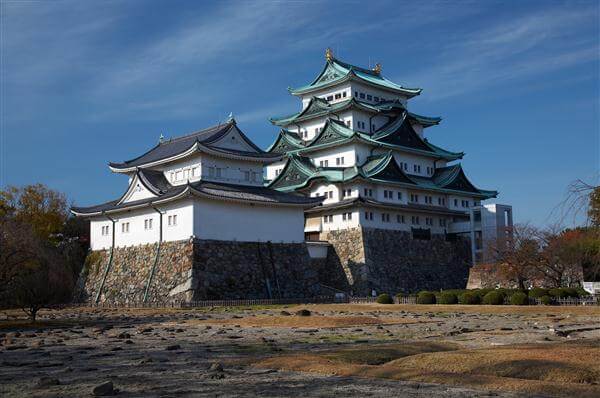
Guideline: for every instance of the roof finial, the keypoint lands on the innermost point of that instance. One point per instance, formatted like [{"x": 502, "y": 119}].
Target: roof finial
[
  {"x": 329, "y": 54},
  {"x": 377, "y": 68},
  {"x": 230, "y": 118},
  {"x": 161, "y": 138}
]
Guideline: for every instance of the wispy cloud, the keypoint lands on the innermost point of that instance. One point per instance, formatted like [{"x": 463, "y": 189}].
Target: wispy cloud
[{"x": 522, "y": 47}]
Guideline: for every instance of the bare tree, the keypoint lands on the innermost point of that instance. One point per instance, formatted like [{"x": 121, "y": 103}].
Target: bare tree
[{"x": 520, "y": 257}]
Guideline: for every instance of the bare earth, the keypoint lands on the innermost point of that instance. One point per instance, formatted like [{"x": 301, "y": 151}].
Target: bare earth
[{"x": 339, "y": 350}]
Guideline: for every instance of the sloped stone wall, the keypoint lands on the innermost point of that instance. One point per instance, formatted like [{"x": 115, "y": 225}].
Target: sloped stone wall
[
  {"x": 392, "y": 262},
  {"x": 232, "y": 270},
  {"x": 199, "y": 270},
  {"x": 131, "y": 270}
]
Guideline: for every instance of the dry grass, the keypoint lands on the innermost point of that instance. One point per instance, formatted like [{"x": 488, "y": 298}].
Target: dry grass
[
  {"x": 469, "y": 309},
  {"x": 566, "y": 369},
  {"x": 313, "y": 321}
]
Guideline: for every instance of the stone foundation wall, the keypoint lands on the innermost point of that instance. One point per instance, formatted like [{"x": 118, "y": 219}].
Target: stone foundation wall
[
  {"x": 199, "y": 270},
  {"x": 247, "y": 270},
  {"x": 391, "y": 261},
  {"x": 131, "y": 270}
]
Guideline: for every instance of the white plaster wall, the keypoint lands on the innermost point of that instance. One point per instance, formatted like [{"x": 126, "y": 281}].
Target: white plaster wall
[
  {"x": 138, "y": 192},
  {"x": 137, "y": 235},
  {"x": 321, "y": 189},
  {"x": 411, "y": 160},
  {"x": 418, "y": 129},
  {"x": 459, "y": 199},
  {"x": 366, "y": 89},
  {"x": 233, "y": 221},
  {"x": 232, "y": 171},
  {"x": 271, "y": 169},
  {"x": 338, "y": 221},
  {"x": 327, "y": 92}
]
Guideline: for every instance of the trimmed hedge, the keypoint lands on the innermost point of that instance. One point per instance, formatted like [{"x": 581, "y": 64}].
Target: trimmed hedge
[
  {"x": 469, "y": 298},
  {"x": 558, "y": 293},
  {"x": 426, "y": 298},
  {"x": 447, "y": 298},
  {"x": 546, "y": 300},
  {"x": 384, "y": 299},
  {"x": 493, "y": 298},
  {"x": 538, "y": 292},
  {"x": 519, "y": 298}
]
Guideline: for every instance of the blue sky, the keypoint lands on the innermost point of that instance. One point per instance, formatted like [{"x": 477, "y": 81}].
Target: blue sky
[{"x": 84, "y": 83}]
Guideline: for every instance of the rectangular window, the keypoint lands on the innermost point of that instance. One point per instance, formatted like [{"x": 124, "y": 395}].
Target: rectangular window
[
  {"x": 186, "y": 174},
  {"x": 172, "y": 220},
  {"x": 219, "y": 170},
  {"x": 362, "y": 95},
  {"x": 125, "y": 227},
  {"x": 195, "y": 172},
  {"x": 369, "y": 97},
  {"x": 415, "y": 220},
  {"x": 178, "y": 175},
  {"x": 344, "y": 94},
  {"x": 330, "y": 194},
  {"x": 172, "y": 176},
  {"x": 330, "y": 98},
  {"x": 348, "y": 123},
  {"x": 338, "y": 96},
  {"x": 455, "y": 202},
  {"x": 368, "y": 215},
  {"x": 385, "y": 217},
  {"x": 246, "y": 176},
  {"x": 400, "y": 218},
  {"x": 356, "y": 93},
  {"x": 399, "y": 195},
  {"x": 442, "y": 222},
  {"x": 376, "y": 99}
]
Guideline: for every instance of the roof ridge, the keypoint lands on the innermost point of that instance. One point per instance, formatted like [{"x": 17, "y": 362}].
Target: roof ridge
[{"x": 229, "y": 124}]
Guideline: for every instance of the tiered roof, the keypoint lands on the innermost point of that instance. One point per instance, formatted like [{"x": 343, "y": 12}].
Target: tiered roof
[
  {"x": 335, "y": 72},
  {"x": 319, "y": 107},
  {"x": 299, "y": 173},
  {"x": 199, "y": 141},
  {"x": 206, "y": 189},
  {"x": 398, "y": 134}
]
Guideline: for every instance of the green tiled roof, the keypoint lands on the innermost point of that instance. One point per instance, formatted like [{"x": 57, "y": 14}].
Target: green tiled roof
[
  {"x": 398, "y": 134},
  {"x": 319, "y": 107},
  {"x": 299, "y": 172},
  {"x": 336, "y": 71}
]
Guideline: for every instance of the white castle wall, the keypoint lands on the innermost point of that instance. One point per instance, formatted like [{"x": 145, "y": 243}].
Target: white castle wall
[
  {"x": 204, "y": 219},
  {"x": 223, "y": 220}
]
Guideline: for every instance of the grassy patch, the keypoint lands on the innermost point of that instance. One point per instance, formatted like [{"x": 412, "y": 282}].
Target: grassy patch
[{"x": 561, "y": 369}]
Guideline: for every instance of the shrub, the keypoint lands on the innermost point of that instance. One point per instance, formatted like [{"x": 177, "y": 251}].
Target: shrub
[
  {"x": 384, "y": 299},
  {"x": 469, "y": 298},
  {"x": 538, "y": 292},
  {"x": 303, "y": 312},
  {"x": 519, "y": 298},
  {"x": 401, "y": 294},
  {"x": 546, "y": 300},
  {"x": 558, "y": 293},
  {"x": 426, "y": 298},
  {"x": 571, "y": 292},
  {"x": 447, "y": 298},
  {"x": 582, "y": 292},
  {"x": 493, "y": 298}
]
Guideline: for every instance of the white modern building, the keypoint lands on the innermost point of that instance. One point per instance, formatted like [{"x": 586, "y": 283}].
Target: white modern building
[
  {"x": 205, "y": 185},
  {"x": 356, "y": 145}
]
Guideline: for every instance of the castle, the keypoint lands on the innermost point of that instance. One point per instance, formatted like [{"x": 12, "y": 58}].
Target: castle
[{"x": 351, "y": 196}]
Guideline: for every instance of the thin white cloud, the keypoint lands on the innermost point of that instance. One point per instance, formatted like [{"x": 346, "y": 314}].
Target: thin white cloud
[{"x": 524, "y": 47}]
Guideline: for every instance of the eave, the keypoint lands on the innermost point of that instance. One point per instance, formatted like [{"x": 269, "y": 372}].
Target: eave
[{"x": 196, "y": 147}]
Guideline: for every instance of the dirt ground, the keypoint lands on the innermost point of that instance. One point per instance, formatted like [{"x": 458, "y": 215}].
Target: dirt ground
[{"x": 338, "y": 350}]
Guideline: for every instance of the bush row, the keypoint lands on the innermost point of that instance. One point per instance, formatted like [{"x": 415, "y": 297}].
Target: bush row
[{"x": 490, "y": 296}]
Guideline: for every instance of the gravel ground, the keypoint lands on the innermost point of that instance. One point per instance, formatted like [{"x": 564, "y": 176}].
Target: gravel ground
[{"x": 205, "y": 352}]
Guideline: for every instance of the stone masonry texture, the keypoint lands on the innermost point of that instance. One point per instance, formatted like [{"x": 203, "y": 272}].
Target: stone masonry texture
[
  {"x": 199, "y": 270},
  {"x": 392, "y": 262}
]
